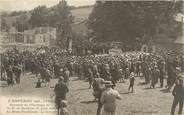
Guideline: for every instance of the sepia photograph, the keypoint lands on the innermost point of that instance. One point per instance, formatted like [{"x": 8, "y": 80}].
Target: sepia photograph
[{"x": 91, "y": 57}]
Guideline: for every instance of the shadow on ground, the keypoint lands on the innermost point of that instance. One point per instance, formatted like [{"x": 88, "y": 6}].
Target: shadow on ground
[
  {"x": 165, "y": 91},
  {"x": 88, "y": 102},
  {"x": 82, "y": 89},
  {"x": 124, "y": 93},
  {"x": 142, "y": 83}
]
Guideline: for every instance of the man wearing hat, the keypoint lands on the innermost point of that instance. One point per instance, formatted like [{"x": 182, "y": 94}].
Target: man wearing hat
[
  {"x": 178, "y": 93},
  {"x": 9, "y": 72},
  {"x": 66, "y": 75},
  {"x": 171, "y": 72},
  {"x": 108, "y": 99},
  {"x": 56, "y": 69},
  {"x": 131, "y": 79},
  {"x": 17, "y": 72},
  {"x": 98, "y": 87},
  {"x": 161, "y": 67},
  {"x": 154, "y": 77},
  {"x": 60, "y": 92}
]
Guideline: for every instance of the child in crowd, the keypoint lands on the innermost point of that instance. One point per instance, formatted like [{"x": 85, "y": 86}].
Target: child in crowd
[
  {"x": 38, "y": 84},
  {"x": 63, "y": 108},
  {"x": 131, "y": 79}
]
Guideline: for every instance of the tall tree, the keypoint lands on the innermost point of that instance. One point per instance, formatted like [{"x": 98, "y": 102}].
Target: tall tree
[
  {"x": 22, "y": 23},
  {"x": 39, "y": 16},
  {"x": 127, "y": 20},
  {"x": 4, "y": 26},
  {"x": 61, "y": 18}
]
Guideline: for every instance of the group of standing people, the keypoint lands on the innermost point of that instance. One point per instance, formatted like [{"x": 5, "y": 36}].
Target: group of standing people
[
  {"x": 96, "y": 69},
  {"x": 11, "y": 68}
]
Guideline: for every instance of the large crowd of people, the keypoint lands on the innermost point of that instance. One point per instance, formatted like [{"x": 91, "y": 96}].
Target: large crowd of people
[{"x": 49, "y": 63}]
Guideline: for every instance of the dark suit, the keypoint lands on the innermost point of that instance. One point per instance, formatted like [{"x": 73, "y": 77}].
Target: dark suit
[
  {"x": 60, "y": 90},
  {"x": 178, "y": 94}
]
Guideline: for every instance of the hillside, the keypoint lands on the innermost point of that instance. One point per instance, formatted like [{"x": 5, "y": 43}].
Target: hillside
[{"x": 80, "y": 14}]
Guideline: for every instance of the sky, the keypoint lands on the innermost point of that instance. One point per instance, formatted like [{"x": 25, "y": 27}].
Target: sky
[{"x": 17, "y": 5}]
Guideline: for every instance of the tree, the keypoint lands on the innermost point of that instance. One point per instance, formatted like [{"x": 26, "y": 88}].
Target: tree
[
  {"x": 17, "y": 13},
  {"x": 4, "y": 25},
  {"x": 39, "y": 16},
  {"x": 61, "y": 18},
  {"x": 58, "y": 16},
  {"x": 4, "y": 14},
  {"x": 126, "y": 20},
  {"x": 22, "y": 23}
]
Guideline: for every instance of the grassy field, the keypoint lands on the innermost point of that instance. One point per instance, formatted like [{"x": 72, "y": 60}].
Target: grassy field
[{"x": 144, "y": 101}]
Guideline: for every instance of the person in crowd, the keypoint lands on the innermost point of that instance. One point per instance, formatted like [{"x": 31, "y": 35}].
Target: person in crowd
[
  {"x": 114, "y": 72},
  {"x": 17, "y": 72},
  {"x": 178, "y": 93},
  {"x": 154, "y": 76},
  {"x": 56, "y": 69},
  {"x": 69, "y": 66},
  {"x": 90, "y": 77},
  {"x": 161, "y": 67},
  {"x": 171, "y": 75},
  {"x": 80, "y": 74},
  {"x": 66, "y": 76},
  {"x": 63, "y": 108},
  {"x": 10, "y": 80},
  {"x": 149, "y": 73},
  {"x": 108, "y": 99},
  {"x": 127, "y": 73},
  {"x": 98, "y": 88},
  {"x": 146, "y": 73},
  {"x": 139, "y": 69},
  {"x": 131, "y": 84},
  {"x": 47, "y": 76},
  {"x": 42, "y": 73},
  {"x": 39, "y": 83},
  {"x": 121, "y": 76},
  {"x": 60, "y": 90}
]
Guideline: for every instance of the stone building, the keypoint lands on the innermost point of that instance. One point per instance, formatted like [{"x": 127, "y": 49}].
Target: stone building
[{"x": 29, "y": 39}]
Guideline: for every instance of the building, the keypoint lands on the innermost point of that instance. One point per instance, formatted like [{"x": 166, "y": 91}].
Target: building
[
  {"x": 29, "y": 39},
  {"x": 40, "y": 36}
]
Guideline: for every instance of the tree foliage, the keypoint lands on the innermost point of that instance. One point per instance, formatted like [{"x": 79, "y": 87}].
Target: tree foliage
[
  {"x": 17, "y": 13},
  {"x": 39, "y": 16},
  {"x": 127, "y": 20},
  {"x": 4, "y": 25},
  {"x": 58, "y": 16},
  {"x": 61, "y": 18},
  {"x": 22, "y": 23}
]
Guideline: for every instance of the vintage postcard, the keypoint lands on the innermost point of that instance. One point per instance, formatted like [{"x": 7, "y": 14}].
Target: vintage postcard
[{"x": 91, "y": 57}]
